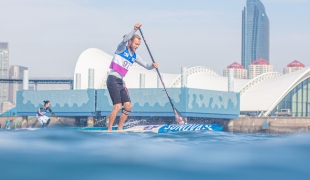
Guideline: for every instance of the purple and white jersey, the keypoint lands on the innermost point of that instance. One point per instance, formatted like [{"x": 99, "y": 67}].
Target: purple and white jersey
[
  {"x": 122, "y": 61},
  {"x": 43, "y": 110},
  {"x": 123, "y": 58}
]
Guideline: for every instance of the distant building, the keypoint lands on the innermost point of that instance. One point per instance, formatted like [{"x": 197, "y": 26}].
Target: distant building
[
  {"x": 255, "y": 33},
  {"x": 293, "y": 66},
  {"x": 16, "y": 72},
  {"x": 239, "y": 71},
  {"x": 258, "y": 67},
  {"x": 4, "y": 68},
  {"x": 6, "y": 105}
]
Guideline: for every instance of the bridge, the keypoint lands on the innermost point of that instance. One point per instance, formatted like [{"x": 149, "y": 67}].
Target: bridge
[
  {"x": 40, "y": 80},
  {"x": 146, "y": 102}
]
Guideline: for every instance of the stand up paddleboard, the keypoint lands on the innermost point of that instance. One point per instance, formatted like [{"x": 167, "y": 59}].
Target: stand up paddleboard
[{"x": 158, "y": 128}]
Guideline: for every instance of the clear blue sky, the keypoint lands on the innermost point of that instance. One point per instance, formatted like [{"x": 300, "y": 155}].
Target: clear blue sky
[{"x": 48, "y": 36}]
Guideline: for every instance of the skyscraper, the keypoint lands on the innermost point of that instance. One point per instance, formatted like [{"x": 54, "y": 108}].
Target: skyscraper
[
  {"x": 255, "y": 33},
  {"x": 4, "y": 71}
]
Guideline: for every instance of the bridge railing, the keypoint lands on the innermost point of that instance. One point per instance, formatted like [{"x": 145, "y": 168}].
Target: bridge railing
[
  {"x": 40, "y": 80},
  {"x": 37, "y": 79},
  {"x": 50, "y": 78}
]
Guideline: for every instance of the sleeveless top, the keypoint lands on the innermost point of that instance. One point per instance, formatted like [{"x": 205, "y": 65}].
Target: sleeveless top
[
  {"x": 122, "y": 61},
  {"x": 43, "y": 110}
]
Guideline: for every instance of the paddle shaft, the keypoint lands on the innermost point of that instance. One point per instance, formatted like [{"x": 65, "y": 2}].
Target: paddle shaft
[
  {"x": 162, "y": 82},
  {"x": 61, "y": 121}
]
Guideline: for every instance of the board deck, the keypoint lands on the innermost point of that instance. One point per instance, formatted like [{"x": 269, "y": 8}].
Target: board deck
[{"x": 157, "y": 128}]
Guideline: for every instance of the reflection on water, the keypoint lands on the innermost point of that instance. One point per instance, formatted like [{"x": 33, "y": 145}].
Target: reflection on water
[{"x": 68, "y": 154}]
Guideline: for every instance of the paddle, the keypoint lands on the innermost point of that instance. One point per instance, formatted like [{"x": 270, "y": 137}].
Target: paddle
[
  {"x": 178, "y": 117},
  {"x": 61, "y": 121}
]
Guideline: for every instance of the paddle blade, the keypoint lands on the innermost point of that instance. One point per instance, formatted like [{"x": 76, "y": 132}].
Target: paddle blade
[{"x": 178, "y": 117}]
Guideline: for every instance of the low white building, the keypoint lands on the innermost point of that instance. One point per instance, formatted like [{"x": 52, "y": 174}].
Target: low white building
[
  {"x": 239, "y": 71},
  {"x": 293, "y": 66},
  {"x": 258, "y": 67}
]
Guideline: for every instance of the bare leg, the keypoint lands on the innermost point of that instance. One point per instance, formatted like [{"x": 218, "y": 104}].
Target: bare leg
[
  {"x": 113, "y": 114},
  {"x": 123, "y": 118}
]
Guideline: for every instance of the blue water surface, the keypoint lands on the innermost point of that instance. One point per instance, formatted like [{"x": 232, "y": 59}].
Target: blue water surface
[{"x": 63, "y": 153}]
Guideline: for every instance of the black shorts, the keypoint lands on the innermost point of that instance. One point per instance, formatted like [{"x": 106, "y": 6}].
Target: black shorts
[{"x": 118, "y": 92}]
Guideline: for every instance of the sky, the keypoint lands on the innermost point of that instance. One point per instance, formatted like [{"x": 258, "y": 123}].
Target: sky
[{"x": 48, "y": 36}]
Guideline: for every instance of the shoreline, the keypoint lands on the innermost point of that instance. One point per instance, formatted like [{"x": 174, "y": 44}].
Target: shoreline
[{"x": 268, "y": 125}]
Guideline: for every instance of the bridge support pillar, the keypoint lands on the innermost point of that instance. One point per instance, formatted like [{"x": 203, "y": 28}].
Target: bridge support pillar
[
  {"x": 25, "y": 122},
  {"x": 25, "y": 80}
]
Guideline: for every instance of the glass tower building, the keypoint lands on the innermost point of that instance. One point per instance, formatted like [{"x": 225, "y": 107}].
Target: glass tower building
[
  {"x": 255, "y": 33},
  {"x": 4, "y": 71}
]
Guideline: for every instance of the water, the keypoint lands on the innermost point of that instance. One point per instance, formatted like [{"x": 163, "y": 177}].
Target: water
[{"x": 60, "y": 153}]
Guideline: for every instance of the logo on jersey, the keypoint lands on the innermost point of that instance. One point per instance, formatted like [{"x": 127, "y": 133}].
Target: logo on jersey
[{"x": 126, "y": 54}]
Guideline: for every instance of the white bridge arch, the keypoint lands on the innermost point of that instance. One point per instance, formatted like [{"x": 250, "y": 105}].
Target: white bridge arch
[
  {"x": 258, "y": 79},
  {"x": 191, "y": 71}
]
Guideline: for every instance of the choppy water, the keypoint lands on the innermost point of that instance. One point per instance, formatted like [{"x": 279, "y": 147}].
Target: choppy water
[{"x": 68, "y": 154}]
